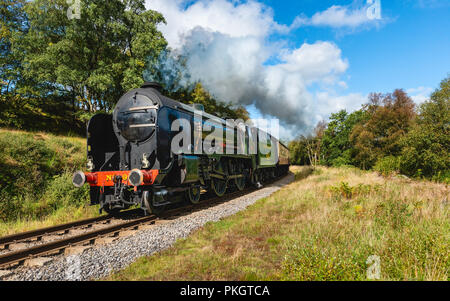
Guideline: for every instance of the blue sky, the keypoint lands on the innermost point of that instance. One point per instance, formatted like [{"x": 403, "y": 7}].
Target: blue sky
[
  {"x": 411, "y": 50},
  {"x": 301, "y": 60}
]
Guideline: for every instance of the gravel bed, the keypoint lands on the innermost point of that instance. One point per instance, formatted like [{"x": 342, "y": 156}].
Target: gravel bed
[{"x": 100, "y": 261}]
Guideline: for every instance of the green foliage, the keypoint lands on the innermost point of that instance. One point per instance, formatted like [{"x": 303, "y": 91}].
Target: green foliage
[
  {"x": 344, "y": 160},
  {"x": 343, "y": 189},
  {"x": 52, "y": 65},
  {"x": 309, "y": 264},
  {"x": 390, "y": 118},
  {"x": 61, "y": 193},
  {"x": 337, "y": 149},
  {"x": 36, "y": 171},
  {"x": 12, "y": 25},
  {"x": 93, "y": 59},
  {"x": 388, "y": 136},
  {"x": 427, "y": 145},
  {"x": 51, "y": 115},
  {"x": 58, "y": 194},
  {"x": 298, "y": 152},
  {"x": 388, "y": 165}
]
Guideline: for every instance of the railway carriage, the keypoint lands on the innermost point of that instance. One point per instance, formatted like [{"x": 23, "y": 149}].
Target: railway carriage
[{"x": 131, "y": 159}]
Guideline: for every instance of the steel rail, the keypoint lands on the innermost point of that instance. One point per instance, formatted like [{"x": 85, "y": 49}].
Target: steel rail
[
  {"x": 18, "y": 256},
  {"x": 21, "y": 255},
  {"x": 14, "y": 238}
]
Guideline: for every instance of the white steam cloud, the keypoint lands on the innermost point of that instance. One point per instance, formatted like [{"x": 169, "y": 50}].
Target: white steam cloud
[{"x": 227, "y": 47}]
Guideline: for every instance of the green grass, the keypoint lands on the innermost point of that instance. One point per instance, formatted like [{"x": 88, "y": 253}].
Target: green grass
[
  {"x": 35, "y": 180},
  {"x": 321, "y": 227}
]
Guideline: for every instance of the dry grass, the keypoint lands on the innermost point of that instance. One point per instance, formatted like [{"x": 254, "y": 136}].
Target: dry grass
[{"x": 323, "y": 227}]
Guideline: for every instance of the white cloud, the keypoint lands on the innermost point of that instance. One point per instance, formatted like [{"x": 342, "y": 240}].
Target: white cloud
[
  {"x": 420, "y": 94},
  {"x": 329, "y": 103},
  {"x": 337, "y": 16},
  {"x": 234, "y": 19},
  {"x": 316, "y": 61},
  {"x": 227, "y": 48}
]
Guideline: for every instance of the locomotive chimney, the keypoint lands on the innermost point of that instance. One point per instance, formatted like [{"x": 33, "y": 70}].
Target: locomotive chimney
[{"x": 153, "y": 85}]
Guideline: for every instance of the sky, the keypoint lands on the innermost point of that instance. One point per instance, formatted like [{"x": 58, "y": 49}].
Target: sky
[{"x": 299, "y": 61}]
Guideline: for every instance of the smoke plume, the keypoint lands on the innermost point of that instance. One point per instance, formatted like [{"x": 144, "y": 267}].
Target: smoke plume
[{"x": 227, "y": 47}]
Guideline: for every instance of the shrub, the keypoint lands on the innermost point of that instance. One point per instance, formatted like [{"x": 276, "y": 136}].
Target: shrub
[
  {"x": 343, "y": 160},
  {"x": 387, "y": 166},
  {"x": 35, "y": 174},
  {"x": 61, "y": 193},
  {"x": 303, "y": 173},
  {"x": 347, "y": 191},
  {"x": 343, "y": 189}
]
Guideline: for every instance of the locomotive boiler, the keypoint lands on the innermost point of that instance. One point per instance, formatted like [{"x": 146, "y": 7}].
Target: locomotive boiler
[{"x": 131, "y": 160}]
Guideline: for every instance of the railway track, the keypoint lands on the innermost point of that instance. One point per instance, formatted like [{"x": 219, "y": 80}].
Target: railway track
[
  {"x": 36, "y": 235},
  {"x": 14, "y": 258}
]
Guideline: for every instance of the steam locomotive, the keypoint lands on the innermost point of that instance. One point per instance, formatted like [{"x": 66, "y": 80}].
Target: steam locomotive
[{"x": 132, "y": 161}]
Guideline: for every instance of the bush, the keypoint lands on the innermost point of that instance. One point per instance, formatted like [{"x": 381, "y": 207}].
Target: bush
[
  {"x": 344, "y": 190},
  {"x": 343, "y": 160},
  {"x": 61, "y": 193},
  {"x": 35, "y": 174},
  {"x": 387, "y": 166},
  {"x": 425, "y": 150}
]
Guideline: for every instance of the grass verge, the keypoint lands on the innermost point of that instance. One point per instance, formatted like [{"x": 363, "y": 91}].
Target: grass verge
[
  {"x": 323, "y": 227},
  {"x": 36, "y": 180}
]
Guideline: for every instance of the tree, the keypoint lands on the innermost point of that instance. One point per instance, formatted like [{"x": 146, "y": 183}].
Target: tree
[
  {"x": 13, "y": 23},
  {"x": 314, "y": 143},
  {"x": 426, "y": 147},
  {"x": 336, "y": 146},
  {"x": 390, "y": 117},
  {"x": 298, "y": 152},
  {"x": 96, "y": 58}
]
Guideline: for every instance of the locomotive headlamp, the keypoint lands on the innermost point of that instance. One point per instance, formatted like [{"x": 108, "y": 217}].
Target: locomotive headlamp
[
  {"x": 79, "y": 178},
  {"x": 136, "y": 177}
]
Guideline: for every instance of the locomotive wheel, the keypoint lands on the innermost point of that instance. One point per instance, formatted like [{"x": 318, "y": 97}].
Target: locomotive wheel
[
  {"x": 193, "y": 194},
  {"x": 240, "y": 183},
  {"x": 218, "y": 186},
  {"x": 147, "y": 198},
  {"x": 255, "y": 177},
  {"x": 236, "y": 169},
  {"x": 272, "y": 174}
]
